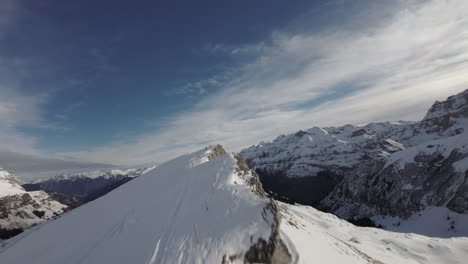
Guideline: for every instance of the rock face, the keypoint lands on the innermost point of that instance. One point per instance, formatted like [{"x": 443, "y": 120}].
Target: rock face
[
  {"x": 393, "y": 169},
  {"x": 20, "y": 209}
]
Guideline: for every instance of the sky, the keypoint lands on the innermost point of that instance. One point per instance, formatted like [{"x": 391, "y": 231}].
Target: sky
[{"x": 140, "y": 82}]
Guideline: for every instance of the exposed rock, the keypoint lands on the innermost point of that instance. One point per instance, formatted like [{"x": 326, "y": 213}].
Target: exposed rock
[
  {"x": 20, "y": 210},
  {"x": 217, "y": 151},
  {"x": 357, "y": 172},
  {"x": 273, "y": 250}
]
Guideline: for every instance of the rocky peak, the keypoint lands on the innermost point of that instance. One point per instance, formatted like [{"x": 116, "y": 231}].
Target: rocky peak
[
  {"x": 7, "y": 176},
  {"x": 389, "y": 168},
  {"x": 20, "y": 209},
  {"x": 301, "y": 133},
  {"x": 216, "y": 151},
  {"x": 442, "y": 115},
  {"x": 358, "y": 133}
]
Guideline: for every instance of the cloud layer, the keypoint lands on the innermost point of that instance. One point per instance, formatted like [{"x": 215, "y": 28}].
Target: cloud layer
[
  {"x": 390, "y": 68},
  {"x": 393, "y": 71}
]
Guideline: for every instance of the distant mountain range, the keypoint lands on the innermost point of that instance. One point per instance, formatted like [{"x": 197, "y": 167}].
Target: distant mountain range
[
  {"x": 23, "y": 205},
  {"x": 83, "y": 187},
  {"x": 209, "y": 207},
  {"x": 392, "y": 173},
  {"x": 214, "y": 207},
  {"x": 31, "y": 167}
]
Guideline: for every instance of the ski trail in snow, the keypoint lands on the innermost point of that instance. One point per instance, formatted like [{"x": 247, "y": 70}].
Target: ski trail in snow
[
  {"x": 114, "y": 230},
  {"x": 171, "y": 222},
  {"x": 155, "y": 253}
]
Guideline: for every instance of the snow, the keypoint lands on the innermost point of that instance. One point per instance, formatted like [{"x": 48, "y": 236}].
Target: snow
[
  {"x": 188, "y": 210},
  {"x": 94, "y": 174},
  {"x": 23, "y": 217},
  {"x": 408, "y": 186},
  {"x": 432, "y": 221},
  {"x": 461, "y": 165},
  {"x": 7, "y": 188},
  {"x": 9, "y": 184},
  {"x": 306, "y": 153},
  {"x": 195, "y": 209},
  {"x": 316, "y": 237}
]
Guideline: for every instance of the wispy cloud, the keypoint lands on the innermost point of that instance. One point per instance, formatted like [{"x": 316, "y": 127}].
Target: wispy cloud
[
  {"x": 204, "y": 86},
  {"x": 19, "y": 109},
  {"x": 236, "y": 50},
  {"x": 394, "y": 70}
]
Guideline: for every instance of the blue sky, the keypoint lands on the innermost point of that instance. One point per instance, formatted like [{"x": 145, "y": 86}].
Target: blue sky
[{"x": 134, "y": 82}]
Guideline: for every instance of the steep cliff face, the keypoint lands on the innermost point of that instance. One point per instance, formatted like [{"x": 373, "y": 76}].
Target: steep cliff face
[
  {"x": 393, "y": 169},
  {"x": 304, "y": 167}
]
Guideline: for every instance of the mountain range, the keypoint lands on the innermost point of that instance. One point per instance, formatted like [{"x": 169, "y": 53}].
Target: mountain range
[
  {"x": 389, "y": 173},
  {"x": 262, "y": 205},
  {"x": 23, "y": 205},
  {"x": 209, "y": 207},
  {"x": 33, "y": 167}
]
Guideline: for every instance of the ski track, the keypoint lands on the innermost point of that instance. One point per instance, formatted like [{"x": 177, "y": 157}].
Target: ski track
[
  {"x": 114, "y": 230},
  {"x": 171, "y": 222}
]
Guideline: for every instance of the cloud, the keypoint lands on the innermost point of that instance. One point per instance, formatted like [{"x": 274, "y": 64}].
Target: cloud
[
  {"x": 387, "y": 70},
  {"x": 236, "y": 50},
  {"x": 16, "y": 111},
  {"x": 204, "y": 86},
  {"x": 19, "y": 109}
]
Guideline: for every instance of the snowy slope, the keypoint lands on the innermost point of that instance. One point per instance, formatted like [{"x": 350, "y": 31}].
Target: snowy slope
[
  {"x": 432, "y": 221},
  {"x": 193, "y": 209},
  {"x": 207, "y": 207},
  {"x": 316, "y": 237},
  {"x": 9, "y": 184}
]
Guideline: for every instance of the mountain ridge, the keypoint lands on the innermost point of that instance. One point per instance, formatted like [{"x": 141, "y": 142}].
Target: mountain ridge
[
  {"x": 393, "y": 169},
  {"x": 209, "y": 207}
]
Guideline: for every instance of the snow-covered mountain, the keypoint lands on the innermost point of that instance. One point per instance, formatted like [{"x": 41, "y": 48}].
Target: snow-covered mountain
[
  {"x": 31, "y": 167},
  {"x": 393, "y": 169},
  {"x": 208, "y": 207},
  {"x": 20, "y": 209},
  {"x": 82, "y": 187},
  {"x": 198, "y": 208}
]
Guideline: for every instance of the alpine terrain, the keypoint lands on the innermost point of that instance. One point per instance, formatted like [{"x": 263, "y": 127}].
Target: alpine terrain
[
  {"x": 208, "y": 207},
  {"x": 20, "y": 209},
  {"x": 405, "y": 176},
  {"x": 78, "y": 188}
]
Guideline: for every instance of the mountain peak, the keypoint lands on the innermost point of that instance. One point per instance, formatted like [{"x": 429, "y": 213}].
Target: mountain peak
[
  {"x": 196, "y": 207},
  {"x": 455, "y": 106},
  {"x": 9, "y": 184}
]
